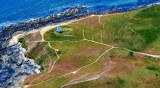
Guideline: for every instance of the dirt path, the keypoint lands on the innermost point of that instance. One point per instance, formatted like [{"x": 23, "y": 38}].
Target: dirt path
[
  {"x": 45, "y": 29},
  {"x": 50, "y": 64},
  {"x": 74, "y": 72}
]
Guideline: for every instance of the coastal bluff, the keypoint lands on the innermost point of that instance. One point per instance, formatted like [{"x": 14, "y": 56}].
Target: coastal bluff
[{"x": 12, "y": 58}]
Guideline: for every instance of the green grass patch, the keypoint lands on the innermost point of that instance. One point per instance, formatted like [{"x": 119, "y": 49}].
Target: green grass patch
[
  {"x": 118, "y": 30},
  {"x": 23, "y": 42},
  {"x": 53, "y": 82},
  {"x": 136, "y": 30},
  {"x": 42, "y": 54},
  {"x": 70, "y": 33}
]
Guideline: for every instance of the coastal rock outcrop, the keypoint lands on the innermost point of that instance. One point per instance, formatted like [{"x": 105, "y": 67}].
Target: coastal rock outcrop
[
  {"x": 14, "y": 67},
  {"x": 72, "y": 13}
]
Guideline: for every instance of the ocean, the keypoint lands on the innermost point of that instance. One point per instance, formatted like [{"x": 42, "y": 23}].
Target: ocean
[{"x": 14, "y": 11}]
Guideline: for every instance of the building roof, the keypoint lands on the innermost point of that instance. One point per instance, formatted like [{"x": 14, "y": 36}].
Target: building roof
[{"x": 59, "y": 29}]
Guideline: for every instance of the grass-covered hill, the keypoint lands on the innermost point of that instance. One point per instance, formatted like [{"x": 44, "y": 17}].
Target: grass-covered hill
[{"x": 103, "y": 51}]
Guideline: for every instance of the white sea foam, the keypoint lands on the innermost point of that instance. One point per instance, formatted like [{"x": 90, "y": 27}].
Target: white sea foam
[{"x": 6, "y": 24}]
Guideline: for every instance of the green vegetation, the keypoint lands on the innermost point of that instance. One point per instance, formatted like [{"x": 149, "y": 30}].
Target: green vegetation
[
  {"x": 130, "y": 54},
  {"x": 86, "y": 51},
  {"x": 148, "y": 22},
  {"x": 70, "y": 33},
  {"x": 134, "y": 80},
  {"x": 42, "y": 54},
  {"x": 83, "y": 43},
  {"x": 153, "y": 67},
  {"x": 135, "y": 30},
  {"x": 23, "y": 42}
]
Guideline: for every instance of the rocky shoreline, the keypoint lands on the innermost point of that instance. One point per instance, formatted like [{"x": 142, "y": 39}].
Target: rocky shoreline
[
  {"x": 12, "y": 56},
  {"x": 15, "y": 66}
]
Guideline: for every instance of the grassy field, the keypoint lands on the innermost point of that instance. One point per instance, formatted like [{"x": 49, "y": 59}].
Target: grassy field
[
  {"x": 42, "y": 54},
  {"x": 70, "y": 33},
  {"x": 133, "y": 73},
  {"x": 85, "y": 50},
  {"x": 22, "y": 41}
]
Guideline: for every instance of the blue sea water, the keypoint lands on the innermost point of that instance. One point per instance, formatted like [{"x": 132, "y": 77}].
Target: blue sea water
[
  {"x": 5, "y": 73},
  {"x": 13, "y": 11}
]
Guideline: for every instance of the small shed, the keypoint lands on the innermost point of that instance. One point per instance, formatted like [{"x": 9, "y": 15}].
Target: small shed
[{"x": 59, "y": 29}]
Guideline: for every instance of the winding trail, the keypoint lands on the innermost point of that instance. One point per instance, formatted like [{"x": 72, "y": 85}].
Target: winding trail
[
  {"x": 74, "y": 72},
  {"x": 50, "y": 63},
  {"x": 145, "y": 54},
  {"x": 112, "y": 47},
  {"x": 84, "y": 39}
]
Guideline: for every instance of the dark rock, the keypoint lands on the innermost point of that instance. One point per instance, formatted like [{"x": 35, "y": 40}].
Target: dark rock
[
  {"x": 7, "y": 32},
  {"x": 11, "y": 56},
  {"x": 110, "y": 11}
]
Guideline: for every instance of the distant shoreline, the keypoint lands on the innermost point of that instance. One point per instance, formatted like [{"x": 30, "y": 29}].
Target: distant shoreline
[
  {"x": 46, "y": 28},
  {"x": 9, "y": 38},
  {"x": 62, "y": 18}
]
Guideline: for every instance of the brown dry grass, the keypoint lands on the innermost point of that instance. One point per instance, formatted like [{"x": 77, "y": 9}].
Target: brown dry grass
[{"x": 89, "y": 21}]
